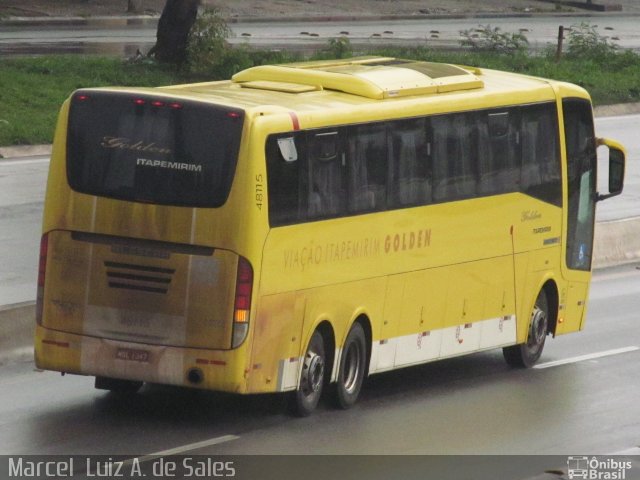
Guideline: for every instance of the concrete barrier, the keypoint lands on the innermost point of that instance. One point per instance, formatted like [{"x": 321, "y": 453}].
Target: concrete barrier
[{"x": 616, "y": 242}]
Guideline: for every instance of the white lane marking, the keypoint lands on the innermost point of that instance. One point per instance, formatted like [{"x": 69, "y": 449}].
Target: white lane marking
[
  {"x": 184, "y": 448},
  {"x": 590, "y": 356}
]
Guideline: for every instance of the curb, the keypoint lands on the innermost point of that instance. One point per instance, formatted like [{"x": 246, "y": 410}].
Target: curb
[
  {"x": 427, "y": 16},
  {"x": 17, "y": 151},
  {"x": 616, "y": 109}
]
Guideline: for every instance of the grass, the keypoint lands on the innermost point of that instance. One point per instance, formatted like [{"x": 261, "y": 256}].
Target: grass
[
  {"x": 609, "y": 80},
  {"x": 32, "y": 89}
]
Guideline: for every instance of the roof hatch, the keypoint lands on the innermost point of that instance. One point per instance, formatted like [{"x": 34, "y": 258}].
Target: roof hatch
[{"x": 370, "y": 77}]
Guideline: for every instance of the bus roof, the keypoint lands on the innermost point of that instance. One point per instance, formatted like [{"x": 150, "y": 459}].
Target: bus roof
[{"x": 333, "y": 84}]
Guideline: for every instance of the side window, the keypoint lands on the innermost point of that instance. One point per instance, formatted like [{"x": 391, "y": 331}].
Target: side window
[
  {"x": 327, "y": 186},
  {"x": 329, "y": 173},
  {"x": 498, "y": 152},
  {"x": 287, "y": 186},
  {"x": 367, "y": 159},
  {"x": 454, "y": 159},
  {"x": 410, "y": 163},
  {"x": 541, "y": 177},
  {"x": 581, "y": 182}
]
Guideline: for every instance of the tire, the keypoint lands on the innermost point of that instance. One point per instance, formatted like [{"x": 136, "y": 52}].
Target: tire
[
  {"x": 352, "y": 367},
  {"x": 525, "y": 355},
  {"x": 117, "y": 385},
  {"x": 312, "y": 377}
]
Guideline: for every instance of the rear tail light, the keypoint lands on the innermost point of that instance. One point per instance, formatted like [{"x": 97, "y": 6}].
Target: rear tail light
[
  {"x": 157, "y": 103},
  {"x": 242, "y": 302},
  {"x": 42, "y": 271}
]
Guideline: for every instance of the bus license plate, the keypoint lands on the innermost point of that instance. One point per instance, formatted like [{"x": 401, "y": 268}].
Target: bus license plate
[{"x": 133, "y": 355}]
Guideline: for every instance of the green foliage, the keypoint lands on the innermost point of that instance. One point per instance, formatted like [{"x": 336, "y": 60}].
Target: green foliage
[
  {"x": 487, "y": 39},
  {"x": 32, "y": 89},
  {"x": 339, "y": 47},
  {"x": 211, "y": 57},
  {"x": 606, "y": 84},
  {"x": 207, "y": 47},
  {"x": 585, "y": 43}
]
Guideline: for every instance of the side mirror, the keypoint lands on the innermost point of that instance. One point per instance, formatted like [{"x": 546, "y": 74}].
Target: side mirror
[
  {"x": 616, "y": 171},
  {"x": 616, "y": 168}
]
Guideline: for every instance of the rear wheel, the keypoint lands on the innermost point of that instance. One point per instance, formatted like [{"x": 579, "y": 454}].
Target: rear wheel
[
  {"x": 308, "y": 395},
  {"x": 527, "y": 354},
  {"x": 117, "y": 385},
  {"x": 352, "y": 367}
]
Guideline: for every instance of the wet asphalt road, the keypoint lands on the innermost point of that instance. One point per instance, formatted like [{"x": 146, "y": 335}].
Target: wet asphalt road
[{"x": 468, "y": 405}]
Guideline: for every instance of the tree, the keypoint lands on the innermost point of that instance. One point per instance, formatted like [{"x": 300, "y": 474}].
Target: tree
[{"x": 178, "y": 16}]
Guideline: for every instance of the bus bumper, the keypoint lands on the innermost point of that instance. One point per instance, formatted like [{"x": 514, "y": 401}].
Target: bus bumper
[{"x": 221, "y": 370}]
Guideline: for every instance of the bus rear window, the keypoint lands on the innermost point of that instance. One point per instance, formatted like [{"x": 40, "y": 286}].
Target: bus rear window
[{"x": 152, "y": 150}]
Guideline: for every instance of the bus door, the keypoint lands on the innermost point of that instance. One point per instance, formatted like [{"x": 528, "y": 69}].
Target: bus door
[{"x": 580, "y": 210}]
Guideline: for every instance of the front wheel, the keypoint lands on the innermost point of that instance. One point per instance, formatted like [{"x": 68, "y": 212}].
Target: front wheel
[
  {"x": 527, "y": 354},
  {"x": 352, "y": 367},
  {"x": 308, "y": 395}
]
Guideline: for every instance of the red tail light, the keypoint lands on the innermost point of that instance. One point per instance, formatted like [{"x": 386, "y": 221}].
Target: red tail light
[
  {"x": 157, "y": 103},
  {"x": 42, "y": 271},
  {"x": 242, "y": 301},
  {"x": 244, "y": 287}
]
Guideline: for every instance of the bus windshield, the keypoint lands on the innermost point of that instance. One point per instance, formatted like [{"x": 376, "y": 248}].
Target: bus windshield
[{"x": 153, "y": 150}]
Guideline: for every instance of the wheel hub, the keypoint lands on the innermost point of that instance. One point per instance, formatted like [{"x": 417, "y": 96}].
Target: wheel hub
[
  {"x": 352, "y": 368},
  {"x": 313, "y": 373},
  {"x": 538, "y": 327}
]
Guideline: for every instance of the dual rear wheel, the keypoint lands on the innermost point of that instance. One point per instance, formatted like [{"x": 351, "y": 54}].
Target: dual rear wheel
[
  {"x": 315, "y": 374},
  {"x": 351, "y": 371}
]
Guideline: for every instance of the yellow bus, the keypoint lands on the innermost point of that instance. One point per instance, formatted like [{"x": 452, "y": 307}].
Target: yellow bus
[{"x": 303, "y": 226}]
